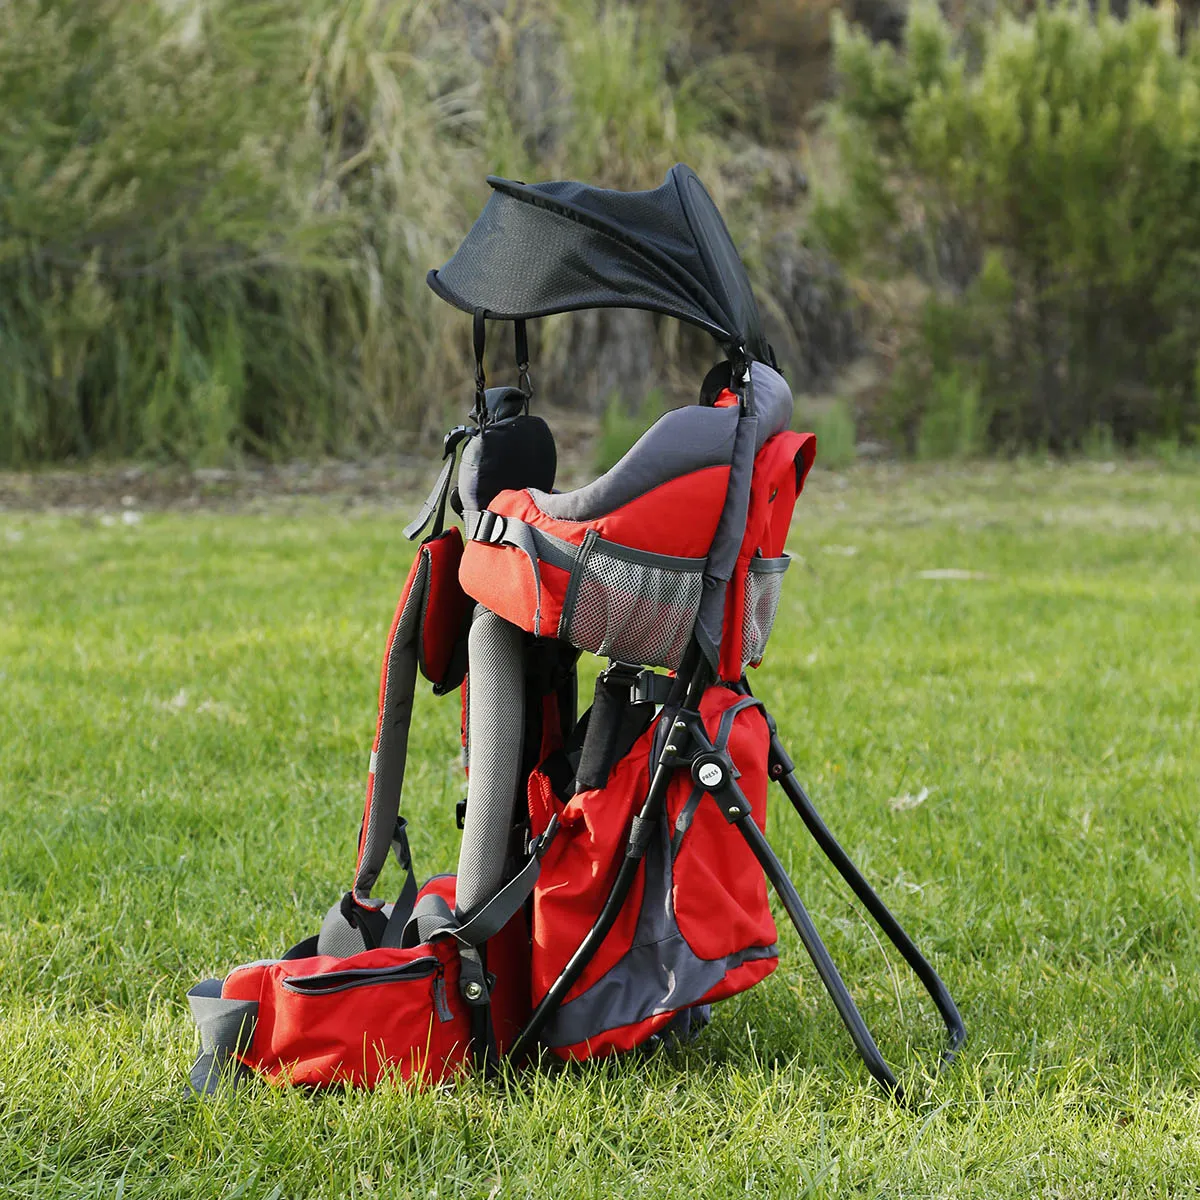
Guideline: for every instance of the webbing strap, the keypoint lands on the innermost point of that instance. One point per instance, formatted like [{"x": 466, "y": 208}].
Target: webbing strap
[
  {"x": 478, "y": 340},
  {"x": 536, "y": 545},
  {"x": 383, "y": 829},
  {"x": 433, "y": 917},
  {"x": 408, "y": 892},
  {"x": 434, "y": 504},
  {"x": 521, "y": 339}
]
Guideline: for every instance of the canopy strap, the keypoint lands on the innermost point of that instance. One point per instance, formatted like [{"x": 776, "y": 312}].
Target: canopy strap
[
  {"x": 522, "y": 347},
  {"x": 479, "y": 336}
]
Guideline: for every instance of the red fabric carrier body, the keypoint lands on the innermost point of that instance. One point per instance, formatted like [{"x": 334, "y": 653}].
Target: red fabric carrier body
[
  {"x": 677, "y": 518},
  {"x": 696, "y": 926},
  {"x": 384, "y": 1012},
  {"x": 780, "y": 469}
]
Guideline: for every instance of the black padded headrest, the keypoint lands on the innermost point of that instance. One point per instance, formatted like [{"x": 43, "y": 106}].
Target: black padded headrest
[{"x": 513, "y": 450}]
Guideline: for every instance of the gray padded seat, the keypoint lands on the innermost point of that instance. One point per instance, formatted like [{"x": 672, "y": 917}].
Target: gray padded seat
[{"x": 680, "y": 441}]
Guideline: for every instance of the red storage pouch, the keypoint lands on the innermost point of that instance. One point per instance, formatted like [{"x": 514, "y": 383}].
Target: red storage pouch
[
  {"x": 325, "y": 1020},
  {"x": 321, "y": 1021},
  {"x": 696, "y": 925},
  {"x": 444, "y": 608},
  {"x": 718, "y": 888}
]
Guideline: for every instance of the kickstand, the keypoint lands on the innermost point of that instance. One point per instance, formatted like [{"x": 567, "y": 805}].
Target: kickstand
[{"x": 782, "y": 771}]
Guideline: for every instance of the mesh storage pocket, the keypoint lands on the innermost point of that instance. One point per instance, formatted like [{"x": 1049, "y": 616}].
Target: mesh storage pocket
[
  {"x": 631, "y": 605},
  {"x": 764, "y": 584}
]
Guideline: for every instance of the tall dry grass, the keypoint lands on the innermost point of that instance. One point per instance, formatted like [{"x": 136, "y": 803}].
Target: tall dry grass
[{"x": 216, "y": 215}]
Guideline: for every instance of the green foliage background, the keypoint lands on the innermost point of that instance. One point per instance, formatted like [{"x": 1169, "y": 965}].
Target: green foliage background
[
  {"x": 1039, "y": 179},
  {"x": 216, "y": 215}
]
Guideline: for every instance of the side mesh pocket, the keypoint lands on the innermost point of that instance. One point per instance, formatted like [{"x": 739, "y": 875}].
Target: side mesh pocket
[
  {"x": 631, "y": 605},
  {"x": 764, "y": 585}
]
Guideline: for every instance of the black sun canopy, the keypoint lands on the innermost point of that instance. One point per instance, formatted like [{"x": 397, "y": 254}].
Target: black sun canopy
[{"x": 543, "y": 248}]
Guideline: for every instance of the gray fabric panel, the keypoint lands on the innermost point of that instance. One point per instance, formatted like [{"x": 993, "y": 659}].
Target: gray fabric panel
[
  {"x": 649, "y": 980},
  {"x": 659, "y": 973},
  {"x": 496, "y": 717},
  {"x": 337, "y": 937},
  {"x": 225, "y": 1026},
  {"x": 773, "y": 400},
  {"x": 731, "y": 529},
  {"x": 399, "y": 687},
  {"x": 683, "y": 440}
]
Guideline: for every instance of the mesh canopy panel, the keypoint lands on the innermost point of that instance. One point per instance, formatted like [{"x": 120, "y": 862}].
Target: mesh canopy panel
[{"x": 553, "y": 247}]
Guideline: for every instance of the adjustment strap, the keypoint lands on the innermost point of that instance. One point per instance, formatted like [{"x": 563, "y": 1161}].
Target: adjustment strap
[
  {"x": 537, "y": 546},
  {"x": 435, "y": 502},
  {"x": 487, "y": 526},
  {"x": 408, "y": 893},
  {"x": 433, "y": 916}
]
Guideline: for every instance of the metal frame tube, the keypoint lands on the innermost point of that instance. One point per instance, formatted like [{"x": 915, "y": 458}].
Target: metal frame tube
[{"x": 838, "y": 992}]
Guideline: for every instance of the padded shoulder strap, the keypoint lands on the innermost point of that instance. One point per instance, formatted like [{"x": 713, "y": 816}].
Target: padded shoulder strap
[{"x": 382, "y": 828}]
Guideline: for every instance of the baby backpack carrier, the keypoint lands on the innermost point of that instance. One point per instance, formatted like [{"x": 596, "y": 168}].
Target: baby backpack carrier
[{"x": 612, "y": 876}]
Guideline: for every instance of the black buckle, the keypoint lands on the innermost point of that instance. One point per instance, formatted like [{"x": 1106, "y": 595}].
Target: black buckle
[
  {"x": 651, "y": 688},
  {"x": 619, "y": 675},
  {"x": 535, "y": 847},
  {"x": 490, "y": 527},
  {"x": 645, "y": 686}
]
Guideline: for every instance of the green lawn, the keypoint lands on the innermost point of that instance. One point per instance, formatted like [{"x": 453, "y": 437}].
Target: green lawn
[{"x": 186, "y": 710}]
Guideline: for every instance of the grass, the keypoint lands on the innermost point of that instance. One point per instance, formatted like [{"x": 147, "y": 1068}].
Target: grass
[{"x": 186, "y": 707}]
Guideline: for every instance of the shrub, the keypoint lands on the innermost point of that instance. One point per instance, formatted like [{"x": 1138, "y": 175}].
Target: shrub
[
  {"x": 1044, "y": 192},
  {"x": 208, "y": 220},
  {"x": 620, "y": 428},
  {"x": 836, "y": 434}
]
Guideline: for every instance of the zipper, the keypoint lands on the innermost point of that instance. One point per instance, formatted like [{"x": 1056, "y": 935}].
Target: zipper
[
  {"x": 576, "y": 577},
  {"x": 343, "y": 981}
]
